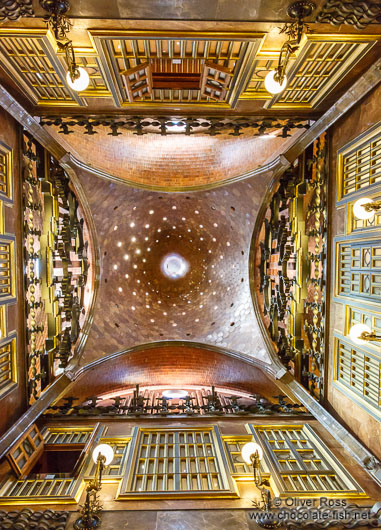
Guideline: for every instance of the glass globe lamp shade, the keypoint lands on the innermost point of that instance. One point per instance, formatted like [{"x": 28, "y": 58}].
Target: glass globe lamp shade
[
  {"x": 249, "y": 449},
  {"x": 273, "y": 86},
  {"x": 359, "y": 211},
  {"x": 81, "y": 83},
  {"x": 175, "y": 394},
  {"x": 106, "y": 451},
  {"x": 355, "y": 332}
]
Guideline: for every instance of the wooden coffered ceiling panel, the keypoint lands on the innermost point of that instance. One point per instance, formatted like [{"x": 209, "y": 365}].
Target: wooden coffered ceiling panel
[
  {"x": 181, "y": 65},
  {"x": 322, "y": 62},
  {"x": 30, "y": 59},
  {"x": 190, "y": 52}
]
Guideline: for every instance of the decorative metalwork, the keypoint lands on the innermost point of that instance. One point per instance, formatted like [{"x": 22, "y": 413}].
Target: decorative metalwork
[
  {"x": 292, "y": 267},
  {"x": 155, "y": 404},
  {"x": 358, "y": 13},
  {"x": 56, "y": 268},
  {"x": 28, "y": 519},
  {"x": 294, "y": 30},
  {"x": 173, "y": 125},
  {"x": 14, "y": 9}
]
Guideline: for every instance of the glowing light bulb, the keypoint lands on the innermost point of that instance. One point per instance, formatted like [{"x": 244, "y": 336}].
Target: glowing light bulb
[
  {"x": 106, "y": 451},
  {"x": 249, "y": 449},
  {"x": 273, "y": 86},
  {"x": 81, "y": 83},
  {"x": 356, "y": 331},
  {"x": 359, "y": 211}
]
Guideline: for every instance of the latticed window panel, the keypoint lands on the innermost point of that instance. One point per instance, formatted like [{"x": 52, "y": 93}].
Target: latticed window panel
[
  {"x": 5, "y": 172},
  {"x": 7, "y": 269},
  {"x": 359, "y": 270},
  {"x": 360, "y": 372},
  {"x": 360, "y": 163},
  {"x": 117, "y": 466},
  {"x": 53, "y": 436},
  {"x": 7, "y": 365},
  {"x": 321, "y": 62},
  {"x": 300, "y": 463},
  {"x": 26, "y": 452},
  {"x": 177, "y": 461}
]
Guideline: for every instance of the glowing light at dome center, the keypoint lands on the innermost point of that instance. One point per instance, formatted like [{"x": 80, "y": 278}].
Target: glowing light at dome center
[{"x": 174, "y": 266}]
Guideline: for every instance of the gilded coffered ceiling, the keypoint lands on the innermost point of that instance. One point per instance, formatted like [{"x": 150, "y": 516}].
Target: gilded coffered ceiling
[{"x": 149, "y": 66}]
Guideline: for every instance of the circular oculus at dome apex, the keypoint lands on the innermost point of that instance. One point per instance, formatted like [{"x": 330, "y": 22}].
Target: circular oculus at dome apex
[{"x": 174, "y": 266}]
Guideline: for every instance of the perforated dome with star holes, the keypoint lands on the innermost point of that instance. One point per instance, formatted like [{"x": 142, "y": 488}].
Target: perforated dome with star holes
[{"x": 206, "y": 237}]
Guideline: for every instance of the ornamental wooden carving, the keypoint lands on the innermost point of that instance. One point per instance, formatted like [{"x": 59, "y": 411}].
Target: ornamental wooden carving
[
  {"x": 215, "y": 81},
  {"x": 138, "y": 82}
]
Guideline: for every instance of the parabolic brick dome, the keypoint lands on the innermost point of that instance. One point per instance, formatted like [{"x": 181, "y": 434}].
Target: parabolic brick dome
[{"x": 174, "y": 266}]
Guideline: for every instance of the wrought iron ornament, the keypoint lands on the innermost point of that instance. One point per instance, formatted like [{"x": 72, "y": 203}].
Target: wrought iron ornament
[
  {"x": 52, "y": 216},
  {"x": 28, "y": 519},
  {"x": 139, "y": 405},
  {"x": 171, "y": 125},
  {"x": 292, "y": 267},
  {"x": 358, "y": 14},
  {"x": 15, "y": 9}
]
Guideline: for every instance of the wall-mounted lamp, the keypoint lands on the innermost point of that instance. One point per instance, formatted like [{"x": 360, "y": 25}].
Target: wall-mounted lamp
[
  {"x": 77, "y": 78},
  {"x": 252, "y": 454},
  {"x": 276, "y": 80},
  {"x": 361, "y": 334},
  {"x": 365, "y": 208},
  {"x": 103, "y": 455}
]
